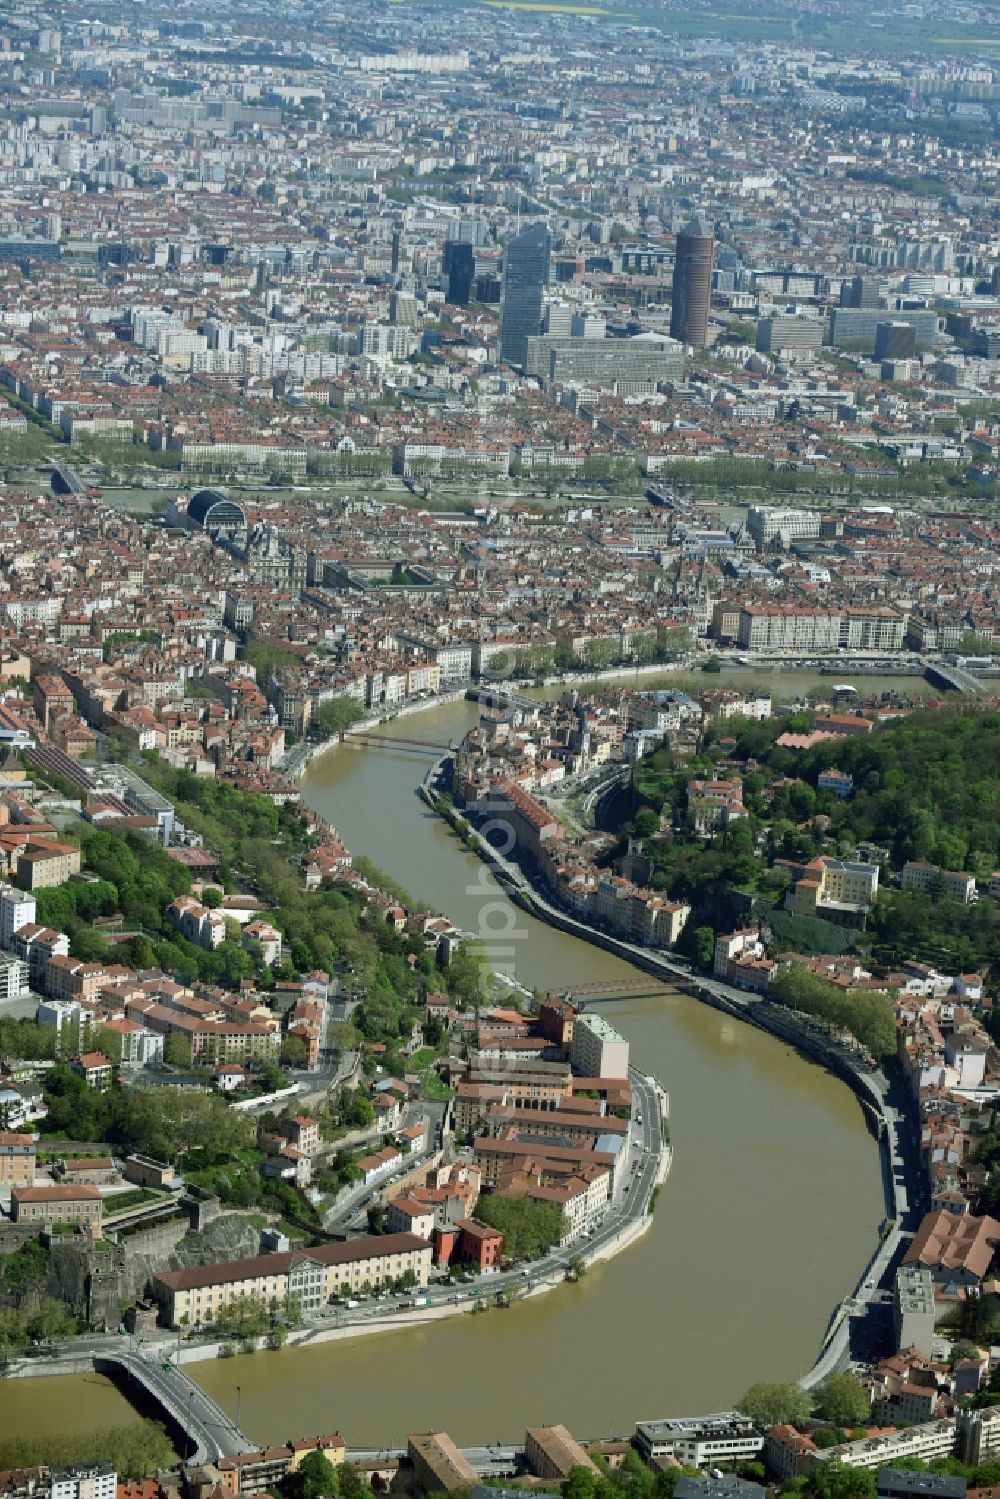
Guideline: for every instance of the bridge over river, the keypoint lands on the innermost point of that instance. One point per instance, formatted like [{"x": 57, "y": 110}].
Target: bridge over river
[
  {"x": 206, "y": 1430},
  {"x": 956, "y": 678}
]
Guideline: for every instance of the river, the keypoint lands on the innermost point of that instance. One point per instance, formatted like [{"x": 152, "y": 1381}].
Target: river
[{"x": 766, "y": 1220}]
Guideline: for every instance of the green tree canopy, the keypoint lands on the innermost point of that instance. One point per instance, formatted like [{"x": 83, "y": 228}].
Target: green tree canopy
[
  {"x": 868, "y": 1017},
  {"x": 314, "y": 1478},
  {"x": 337, "y": 714},
  {"x": 835, "y": 1480},
  {"x": 529, "y": 1228},
  {"x": 775, "y": 1404},
  {"x": 843, "y": 1400}
]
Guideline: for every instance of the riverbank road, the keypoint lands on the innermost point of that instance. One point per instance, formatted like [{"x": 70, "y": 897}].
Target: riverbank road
[{"x": 339, "y": 1218}]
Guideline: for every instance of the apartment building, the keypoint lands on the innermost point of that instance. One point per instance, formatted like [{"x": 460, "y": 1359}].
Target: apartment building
[
  {"x": 36, "y": 945},
  {"x": 913, "y": 1309},
  {"x": 977, "y": 1435},
  {"x": 17, "y": 909},
  {"x": 926, "y": 1442},
  {"x": 479, "y": 1244},
  {"x": 13, "y": 976},
  {"x": 956, "y": 1248},
  {"x": 84, "y": 1481},
  {"x": 211, "y": 1039},
  {"x": 410, "y": 1215},
  {"x": 266, "y": 936},
  {"x": 73, "y": 979},
  {"x": 546, "y": 1163},
  {"x": 714, "y": 805},
  {"x": 45, "y": 863},
  {"x": 555, "y": 1021},
  {"x": 777, "y": 627},
  {"x": 837, "y": 890},
  {"x": 64, "y": 1013},
  {"x": 95, "y": 1069},
  {"x": 873, "y": 630},
  {"x": 531, "y": 824},
  {"x": 733, "y": 945},
  {"x": 206, "y": 928},
  {"x": 313, "y": 1275},
  {"x": 598, "y": 1050},
  {"x": 17, "y": 1159},
  {"x": 562, "y": 1126},
  {"x": 955, "y": 884}
]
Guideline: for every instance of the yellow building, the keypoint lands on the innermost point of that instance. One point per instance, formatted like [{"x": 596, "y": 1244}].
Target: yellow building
[{"x": 313, "y": 1276}]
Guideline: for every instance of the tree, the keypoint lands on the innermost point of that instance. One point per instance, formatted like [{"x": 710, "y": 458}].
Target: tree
[
  {"x": 314, "y": 1478},
  {"x": 467, "y": 975},
  {"x": 350, "y": 1482},
  {"x": 143, "y": 953},
  {"x": 89, "y": 946},
  {"x": 868, "y": 1017},
  {"x": 337, "y": 714},
  {"x": 775, "y": 1404},
  {"x": 272, "y": 1077},
  {"x": 376, "y": 1219},
  {"x": 358, "y": 1111},
  {"x": 834, "y": 1480},
  {"x": 101, "y": 1038},
  {"x": 136, "y": 1449},
  {"x": 294, "y": 1052},
  {"x": 529, "y": 1228},
  {"x": 704, "y": 946},
  {"x": 580, "y": 1483},
  {"x": 843, "y": 1400},
  {"x": 646, "y": 823},
  {"x": 177, "y": 1050}
]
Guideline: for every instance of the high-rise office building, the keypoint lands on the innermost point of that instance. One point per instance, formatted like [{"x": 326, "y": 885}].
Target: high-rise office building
[
  {"x": 458, "y": 262},
  {"x": 895, "y": 341},
  {"x": 860, "y": 291},
  {"x": 692, "y": 291},
  {"x": 525, "y": 276},
  {"x": 404, "y": 309},
  {"x": 558, "y": 319}
]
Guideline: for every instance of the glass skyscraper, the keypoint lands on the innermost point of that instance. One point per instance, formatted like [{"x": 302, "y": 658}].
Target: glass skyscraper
[{"x": 525, "y": 277}]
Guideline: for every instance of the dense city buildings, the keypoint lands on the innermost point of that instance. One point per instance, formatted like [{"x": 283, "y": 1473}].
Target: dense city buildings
[{"x": 354, "y": 363}]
